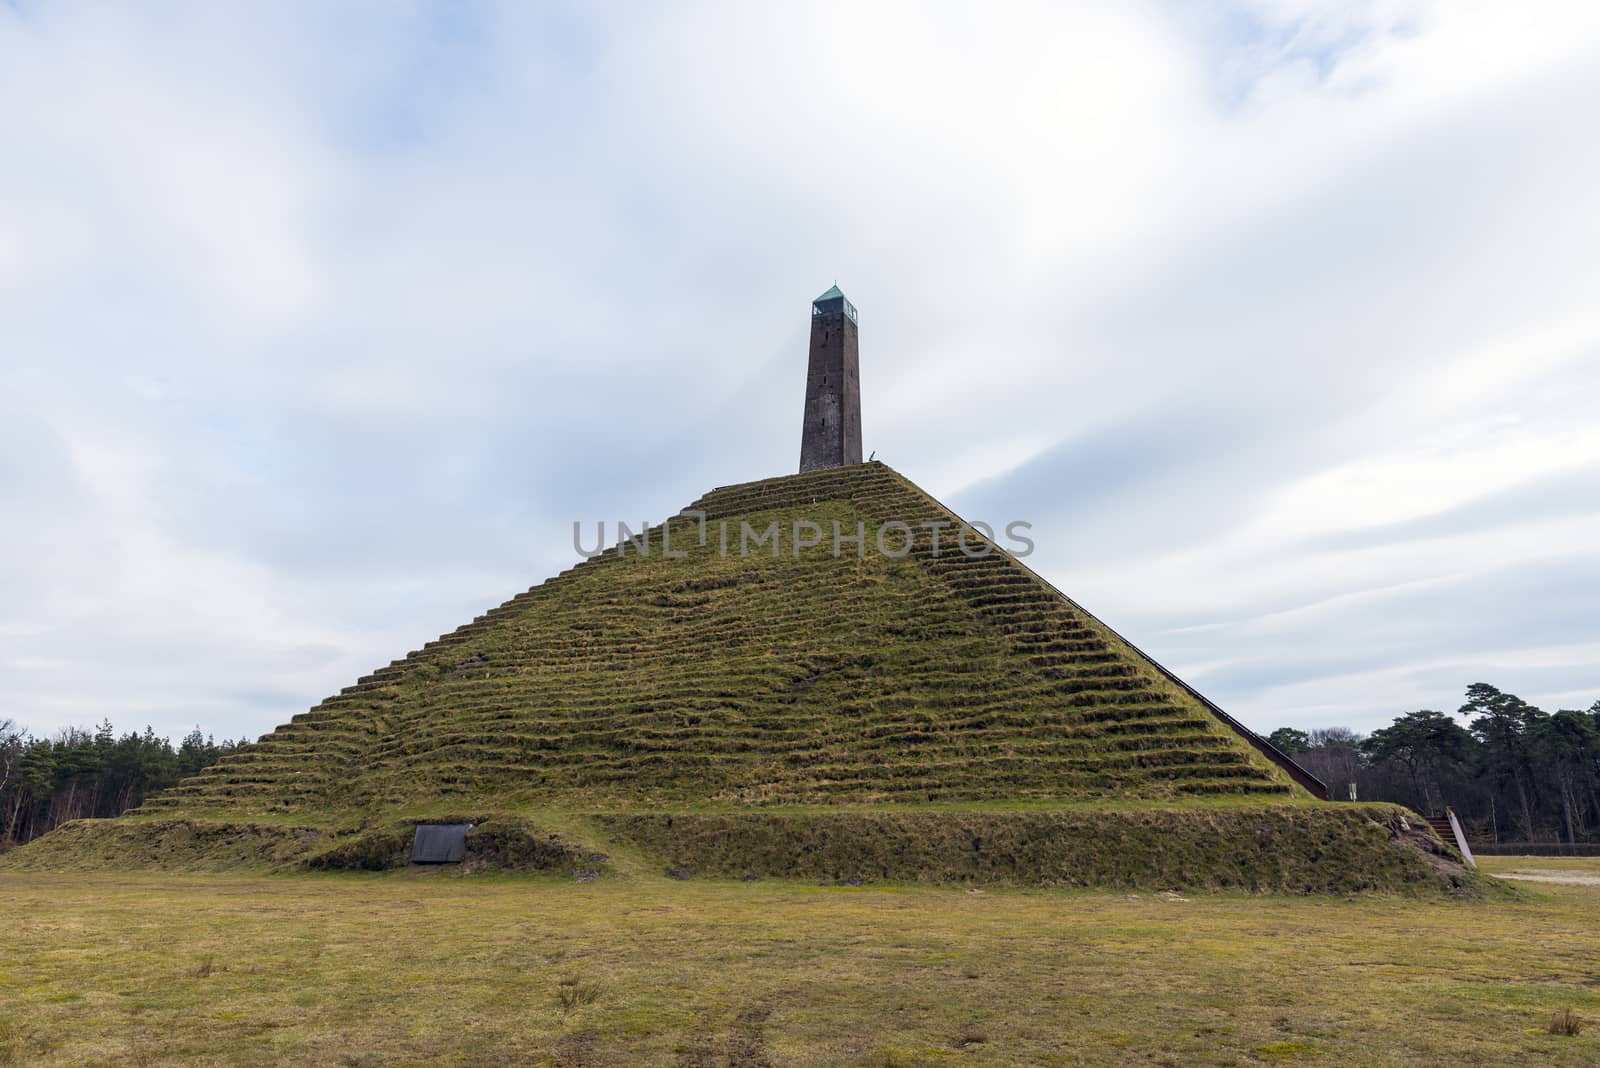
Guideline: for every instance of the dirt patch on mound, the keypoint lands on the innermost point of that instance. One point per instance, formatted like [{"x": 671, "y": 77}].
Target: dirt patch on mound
[{"x": 1442, "y": 859}]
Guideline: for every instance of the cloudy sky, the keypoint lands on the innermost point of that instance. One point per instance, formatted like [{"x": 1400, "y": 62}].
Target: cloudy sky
[{"x": 320, "y": 324}]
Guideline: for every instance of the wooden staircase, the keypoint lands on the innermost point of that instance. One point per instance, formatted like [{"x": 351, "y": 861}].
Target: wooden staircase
[{"x": 1447, "y": 834}]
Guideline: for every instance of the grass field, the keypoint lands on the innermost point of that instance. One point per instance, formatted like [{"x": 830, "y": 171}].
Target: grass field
[{"x": 435, "y": 969}]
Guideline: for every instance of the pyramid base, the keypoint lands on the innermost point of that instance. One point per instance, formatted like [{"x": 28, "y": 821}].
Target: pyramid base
[
  {"x": 1264, "y": 849},
  {"x": 1299, "y": 849},
  {"x": 165, "y": 845}
]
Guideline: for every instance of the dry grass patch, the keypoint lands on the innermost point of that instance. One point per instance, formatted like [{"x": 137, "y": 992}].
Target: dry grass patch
[
  {"x": 574, "y": 993},
  {"x": 1566, "y": 1022},
  {"x": 642, "y": 970}
]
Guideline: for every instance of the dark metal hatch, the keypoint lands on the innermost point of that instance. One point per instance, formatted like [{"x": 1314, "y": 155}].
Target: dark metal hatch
[{"x": 439, "y": 843}]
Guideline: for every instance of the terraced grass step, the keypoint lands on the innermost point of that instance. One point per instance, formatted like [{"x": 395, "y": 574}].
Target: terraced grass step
[{"x": 766, "y": 679}]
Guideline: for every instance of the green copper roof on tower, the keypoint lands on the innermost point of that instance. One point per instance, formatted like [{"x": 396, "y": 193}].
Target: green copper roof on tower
[{"x": 829, "y": 295}]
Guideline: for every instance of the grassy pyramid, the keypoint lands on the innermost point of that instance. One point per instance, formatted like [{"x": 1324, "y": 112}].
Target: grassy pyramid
[
  {"x": 847, "y": 715},
  {"x": 759, "y": 678}
]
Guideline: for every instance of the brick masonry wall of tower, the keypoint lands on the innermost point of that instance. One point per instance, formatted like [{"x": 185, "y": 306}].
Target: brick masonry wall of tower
[{"x": 831, "y": 432}]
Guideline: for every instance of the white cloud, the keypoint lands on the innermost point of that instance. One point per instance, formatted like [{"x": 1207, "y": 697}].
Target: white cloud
[{"x": 322, "y": 324}]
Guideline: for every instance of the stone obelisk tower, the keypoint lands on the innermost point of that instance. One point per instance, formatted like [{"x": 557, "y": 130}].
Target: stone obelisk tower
[{"x": 831, "y": 434}]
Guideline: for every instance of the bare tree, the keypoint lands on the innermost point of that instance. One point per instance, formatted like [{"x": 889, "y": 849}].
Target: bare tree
[{"x": 11, "y": 741}]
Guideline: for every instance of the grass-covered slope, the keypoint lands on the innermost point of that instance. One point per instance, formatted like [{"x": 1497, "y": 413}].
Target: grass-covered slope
[
  {"x": 712, "y": 680},
  {"x": 1259, "y": 848},
  {"x": 1255, "y": 847}
]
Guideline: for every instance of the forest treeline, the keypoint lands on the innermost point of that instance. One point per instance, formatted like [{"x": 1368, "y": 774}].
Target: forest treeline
[
  {"x": 46, "y": 781},
  {"x": 1511, "y": 772}
]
